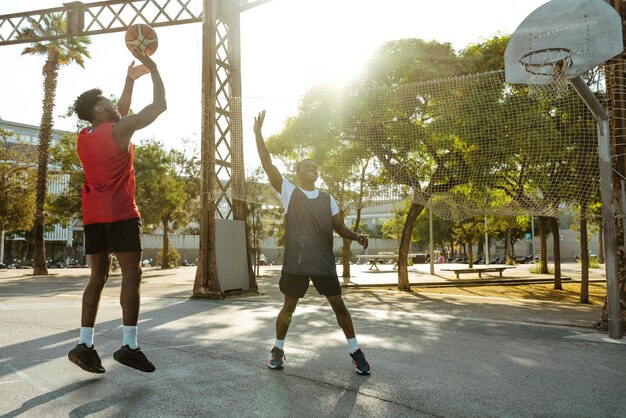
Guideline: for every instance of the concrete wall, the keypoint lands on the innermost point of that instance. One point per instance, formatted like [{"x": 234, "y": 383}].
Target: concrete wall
[{"x": 187, "y": 246}]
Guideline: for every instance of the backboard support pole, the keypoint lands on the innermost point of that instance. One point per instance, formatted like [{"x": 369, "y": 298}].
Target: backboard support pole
[{"x": 608, "y": 208}]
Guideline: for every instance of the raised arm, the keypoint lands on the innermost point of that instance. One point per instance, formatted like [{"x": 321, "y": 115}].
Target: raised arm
[
  {"x": 133, "y": 73},
  {"x": 126, "y": 127},
  {"x": 276, "y": 180},
  {"x": 344, "y": 232}
]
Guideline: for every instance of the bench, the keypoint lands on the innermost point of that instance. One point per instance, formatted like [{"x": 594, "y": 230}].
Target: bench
[
  {"x": 479, "y": 270},
  {"x": 375, "y": 259}
]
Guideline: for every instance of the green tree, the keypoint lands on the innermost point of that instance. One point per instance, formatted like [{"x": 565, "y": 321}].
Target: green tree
[
  {"x": 509, "y": 230},
  {"x": 67, "y": 205},
  {"x": 442, "y": 231},
  {"x": 17, "y": 194},
  {"x": 469, "y": 232},
  {"x": 167, "y": 189},
  {"x": 265, "y": 214},
  {"x": 58, "y": 52},
  {"x": 392, "y": 227},
  {"x": 398, "y": 135}
]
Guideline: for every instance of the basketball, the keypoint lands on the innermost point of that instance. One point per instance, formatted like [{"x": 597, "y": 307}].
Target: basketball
[{"x": 141, "y": 37}]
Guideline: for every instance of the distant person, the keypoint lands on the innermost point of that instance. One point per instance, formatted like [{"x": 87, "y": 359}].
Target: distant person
[
  {"x": 111, "y": 218},
  {"x": 311, "y": 216},
  {"x": 441, "y": 259}
]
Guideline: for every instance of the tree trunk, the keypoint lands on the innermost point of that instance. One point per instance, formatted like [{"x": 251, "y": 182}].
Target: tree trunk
[
  {"x": 345, "y": 258},
  {"x": 556, "y": 242},
  {"x": 405, "y": 243},
  {"x": 601, "y": 243},
  {"x": 617, "y": 108},
  {"x": 50, "y": 70},
  {"x": 346, "y": 250},
  {"x": 584, "y": 255},
  {"x": 509, "y": 248},
  {"x": 2, "y": 244},
  {"x": 165, "y": 259},
  {"x": 544, "y": 247},
  {"x": 470, "y": 255}
]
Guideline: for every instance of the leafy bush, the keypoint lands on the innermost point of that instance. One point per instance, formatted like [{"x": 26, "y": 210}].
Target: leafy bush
[{"x": 172, "y": 258}]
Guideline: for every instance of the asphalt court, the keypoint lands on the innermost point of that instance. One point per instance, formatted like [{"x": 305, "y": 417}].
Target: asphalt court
[{"x": 431, "y": 355}]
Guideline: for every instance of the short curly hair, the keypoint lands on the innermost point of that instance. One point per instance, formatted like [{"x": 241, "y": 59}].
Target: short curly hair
[{"x": 85, "y": 103}]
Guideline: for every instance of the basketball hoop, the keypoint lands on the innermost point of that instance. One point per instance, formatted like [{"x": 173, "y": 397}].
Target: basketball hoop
[{"x": 547, "y": 66}]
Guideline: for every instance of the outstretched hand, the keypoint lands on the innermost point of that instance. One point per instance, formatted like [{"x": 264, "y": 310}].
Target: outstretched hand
[
  {"x": 136, "y": 71},
  {"x": 258, "y": 122},
  {"x": 362, "y": 240}
]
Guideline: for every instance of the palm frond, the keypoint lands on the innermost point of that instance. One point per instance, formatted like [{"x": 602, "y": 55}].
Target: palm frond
[{"x": 69, "y": 50}]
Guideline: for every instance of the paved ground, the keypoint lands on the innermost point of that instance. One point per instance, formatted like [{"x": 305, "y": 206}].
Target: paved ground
[{"x": 432, "y": 355}]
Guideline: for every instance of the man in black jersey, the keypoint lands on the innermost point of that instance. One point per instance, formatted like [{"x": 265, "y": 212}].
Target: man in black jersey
[{"x": 311, "y": 216}]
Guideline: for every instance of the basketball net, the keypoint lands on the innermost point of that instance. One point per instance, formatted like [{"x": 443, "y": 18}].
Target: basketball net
[{"x": 551, "y": 65}]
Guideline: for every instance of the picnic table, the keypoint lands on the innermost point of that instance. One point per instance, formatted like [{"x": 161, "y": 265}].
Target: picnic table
[
  {"x": 479, "y": 270},
  {"x": 375, "y": 259}
]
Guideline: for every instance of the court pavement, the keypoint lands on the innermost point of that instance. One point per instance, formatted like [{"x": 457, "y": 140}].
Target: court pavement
[{"x": 431, "y": 355}]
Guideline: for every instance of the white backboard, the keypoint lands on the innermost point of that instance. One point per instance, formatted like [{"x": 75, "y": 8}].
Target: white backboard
[{"x": 591, "y": 29}]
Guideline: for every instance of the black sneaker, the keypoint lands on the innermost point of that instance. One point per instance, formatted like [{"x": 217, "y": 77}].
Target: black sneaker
[
  {"x": 276, "y": 361},
  {"x": 86, "y": 358},
  {"x": 362, "y": 366},
  {"x": 134, "y": 358}
]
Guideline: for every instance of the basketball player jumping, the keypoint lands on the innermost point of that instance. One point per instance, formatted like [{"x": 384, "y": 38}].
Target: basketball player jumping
[{"x": 111, "y": 218}]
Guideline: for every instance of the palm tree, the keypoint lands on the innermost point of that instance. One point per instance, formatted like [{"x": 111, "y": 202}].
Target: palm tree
[{"x": 59, "y": 52}]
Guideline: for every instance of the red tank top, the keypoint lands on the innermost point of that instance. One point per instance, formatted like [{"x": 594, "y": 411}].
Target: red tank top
[{"x": 109, "y": 189}]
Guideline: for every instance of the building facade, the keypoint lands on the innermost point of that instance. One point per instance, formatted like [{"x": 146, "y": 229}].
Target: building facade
[{"x": 62, "y": 242}]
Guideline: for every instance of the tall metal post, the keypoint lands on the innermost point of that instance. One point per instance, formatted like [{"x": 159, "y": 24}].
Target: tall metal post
[
  {"x": 608, "y": 209},
  {"x": 236, "y": 136},
  {"x": 207, "y": 283}
]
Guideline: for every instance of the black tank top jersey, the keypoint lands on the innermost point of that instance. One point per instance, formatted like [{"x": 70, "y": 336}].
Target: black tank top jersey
[{"x": 309, "y": 236}]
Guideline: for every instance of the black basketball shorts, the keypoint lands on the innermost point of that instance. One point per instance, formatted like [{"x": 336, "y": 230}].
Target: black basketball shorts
[
  {"x": 113, "y": 237},
  {"x": 296, "y": 286}
]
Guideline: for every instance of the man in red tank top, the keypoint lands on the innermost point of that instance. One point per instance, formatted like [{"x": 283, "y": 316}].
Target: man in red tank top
[{"x": 111, "y": 218}]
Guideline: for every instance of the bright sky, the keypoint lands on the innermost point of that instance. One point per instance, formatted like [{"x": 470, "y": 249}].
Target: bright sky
[{"x": 287, "y": 46}]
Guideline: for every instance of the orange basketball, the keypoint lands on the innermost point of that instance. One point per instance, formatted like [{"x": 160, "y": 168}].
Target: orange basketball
[{"x": 141, "y": 37}]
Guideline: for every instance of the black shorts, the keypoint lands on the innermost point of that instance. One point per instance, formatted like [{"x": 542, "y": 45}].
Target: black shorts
[
  {"x": 113, "y": 237},
  {"x": 296, "y": 286}
]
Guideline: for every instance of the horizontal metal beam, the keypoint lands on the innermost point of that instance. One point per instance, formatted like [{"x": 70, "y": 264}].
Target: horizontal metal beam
[
  {"x": 86, "y": 19},
  {"x": 101, "y": 17}
]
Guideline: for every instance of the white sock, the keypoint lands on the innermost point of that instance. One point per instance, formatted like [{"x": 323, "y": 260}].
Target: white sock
[
  {"x": 279, "y": 343},
  {"x": 130, "y": 336},
  {"x": 352, "y": 345},
  {"x": 86, "y": 336}
]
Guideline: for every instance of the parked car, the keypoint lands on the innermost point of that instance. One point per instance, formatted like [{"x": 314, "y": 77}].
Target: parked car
[{"x": 56, "y": 264}]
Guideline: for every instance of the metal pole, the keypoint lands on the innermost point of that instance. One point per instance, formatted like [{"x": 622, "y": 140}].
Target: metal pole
[
  {"x": 486, "y": 243},
  {"x": 432, "y": 242},
  {"x": 608, "y": 210},
  {"x": 532, "y": 237}
]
